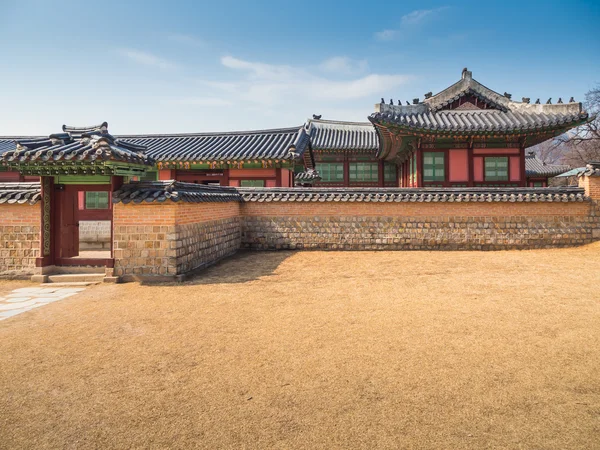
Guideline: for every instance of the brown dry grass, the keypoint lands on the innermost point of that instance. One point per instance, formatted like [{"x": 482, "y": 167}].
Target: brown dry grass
[{"x": 317, "y": 350}]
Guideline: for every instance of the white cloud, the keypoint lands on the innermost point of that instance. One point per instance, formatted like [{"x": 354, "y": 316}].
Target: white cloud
[
  {"x": 408, "y": 21},
  {"x": 271, "y": 85},
  {"x": 343, "y": 65},
  {"x": 187, "y": 40},
  {"x": 259, "y": 70},
  {"x": 147, "y": 59}
]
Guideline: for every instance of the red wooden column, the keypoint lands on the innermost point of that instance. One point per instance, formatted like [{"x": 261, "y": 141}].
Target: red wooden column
[
  {"x": 419, "y": 156},
  {"x": 523, "y": 180},
  {"x": 225, "y": 178},
  {"x": 278, "y": 177},
  {"x": 470, "y": 165}
]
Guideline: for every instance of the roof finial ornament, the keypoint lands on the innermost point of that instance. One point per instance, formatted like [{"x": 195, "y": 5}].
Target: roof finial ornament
[
  {"x": 537, "y": 102},
  {"x": 382, "y": 100},
  {"x": 549, "y": 102},
  {"x": 559, "y": 100},
  {"x": 507, "y": 95},
  {"x": 399, "y": 102},
  {"x": 317, "y": 117},
  {"x": 572, "y": 100},
  {"x": 428, "y": 95},
  {"x": 415, "y": 101},
  {"x": 391, "y": 101},
  {"x": 525, "y": 99},
  {"x": 466, "y": 74},
  {"x": 407, "y": 102}
]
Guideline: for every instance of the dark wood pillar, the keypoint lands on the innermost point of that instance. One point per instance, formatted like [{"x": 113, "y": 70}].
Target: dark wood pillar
[
  {"x": 47, "y": 226},
  {"x": 346, "y": 172},
  {"x": 225, "y": 178}
]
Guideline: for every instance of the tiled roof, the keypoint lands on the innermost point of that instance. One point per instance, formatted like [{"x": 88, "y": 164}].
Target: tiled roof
[
  {"x": 283, "y": 143},
  {"x": 160, "y": 191},
  {"x": 591, "y": 170},
  {"x": 8, "y": 143},
  {"x": 309, "y": 176},
  {"x": 336, "y": 135},
  {"x": 536, "y": 167},
  {"x": 74, "y": 145},
  {"x": 426, "y": 195},
  {"x": 503, "y": 115},
  {"x": 481, "y": 120},
  {"x": 20, "y": 193}
]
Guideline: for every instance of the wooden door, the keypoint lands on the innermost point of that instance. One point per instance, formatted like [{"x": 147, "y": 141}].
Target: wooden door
[{"x": 68, "y": 223}]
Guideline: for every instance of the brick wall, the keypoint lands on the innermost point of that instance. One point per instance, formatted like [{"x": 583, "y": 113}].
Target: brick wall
[
  {"x": 167, "y": 239},
  {"x": 19, "y": 237},
  {"x": 408, "y": 226},
  {"x": 144, "y": 239},
  {"x": 206, "y": 232}
]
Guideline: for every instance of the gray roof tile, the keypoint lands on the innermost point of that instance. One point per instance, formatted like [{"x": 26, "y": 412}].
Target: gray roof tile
[
  {"x": 283, "y": 143},
  {"x": 503, "y": 115},
  {"x": 160, "y": 191},
  {"x": 20, "y": 193},
  {"x": 336, "y": 135},
  {"x": 425, "y": 195},
  {"x": 76, "y": 144},
  {"x": 309, "y": 176},
  {"x": 536, "y": 167}
]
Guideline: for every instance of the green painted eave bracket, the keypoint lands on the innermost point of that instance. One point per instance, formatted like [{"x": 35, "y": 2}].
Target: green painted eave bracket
[
  {"x": 83, "y": 168},
  {"x": 82, "y": 179}
]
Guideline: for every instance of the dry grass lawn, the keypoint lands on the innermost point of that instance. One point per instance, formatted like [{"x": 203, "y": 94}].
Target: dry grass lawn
[{"x": 317, "y": 350}]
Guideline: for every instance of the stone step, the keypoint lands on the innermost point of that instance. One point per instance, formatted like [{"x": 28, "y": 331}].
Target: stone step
[
  {"x": 76, "y": 278},
  {"x": 74, "y": 283}
]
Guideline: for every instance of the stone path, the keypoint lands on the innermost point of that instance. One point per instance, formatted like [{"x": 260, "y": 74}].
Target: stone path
[{"x": 24, "y": 299}]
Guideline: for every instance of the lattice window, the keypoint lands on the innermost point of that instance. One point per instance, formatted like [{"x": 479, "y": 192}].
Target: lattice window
[
  {"x": 496, "y": 168},
  {"x": 434, "y": 166},
  {"x": 331, "y": 172},
  {"x": 389, "y": 172},
  {"x": 96, "y": 200},
  {"x": 360, "y": 171}
]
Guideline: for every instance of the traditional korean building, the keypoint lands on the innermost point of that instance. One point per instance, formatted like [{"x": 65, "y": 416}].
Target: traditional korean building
[
  {"x": 468, "y": 135},
  {"x": 262, "y": 158},
  {"x": 465, "y": 136}
]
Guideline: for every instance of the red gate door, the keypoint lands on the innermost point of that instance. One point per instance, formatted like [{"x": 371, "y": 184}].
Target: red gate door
[{"x": 69, "y": 223}]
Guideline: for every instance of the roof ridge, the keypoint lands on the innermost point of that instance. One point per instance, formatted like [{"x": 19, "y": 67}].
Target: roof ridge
[
  {"x": 210, "y": 133},
  {"x": 341, "y": 122}
]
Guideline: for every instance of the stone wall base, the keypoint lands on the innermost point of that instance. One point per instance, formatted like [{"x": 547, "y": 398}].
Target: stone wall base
[{"x": 416, "y": 233}]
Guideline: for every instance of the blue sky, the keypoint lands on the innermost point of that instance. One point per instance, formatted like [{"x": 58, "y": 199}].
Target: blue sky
[{"x": 193, "y": 66}]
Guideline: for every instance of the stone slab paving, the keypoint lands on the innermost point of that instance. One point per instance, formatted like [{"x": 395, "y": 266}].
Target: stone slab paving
[{"x": 20, "y": 300}]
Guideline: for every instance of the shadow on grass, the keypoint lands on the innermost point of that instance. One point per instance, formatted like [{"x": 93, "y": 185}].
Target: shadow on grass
[{"x": 244, "y": 266}]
